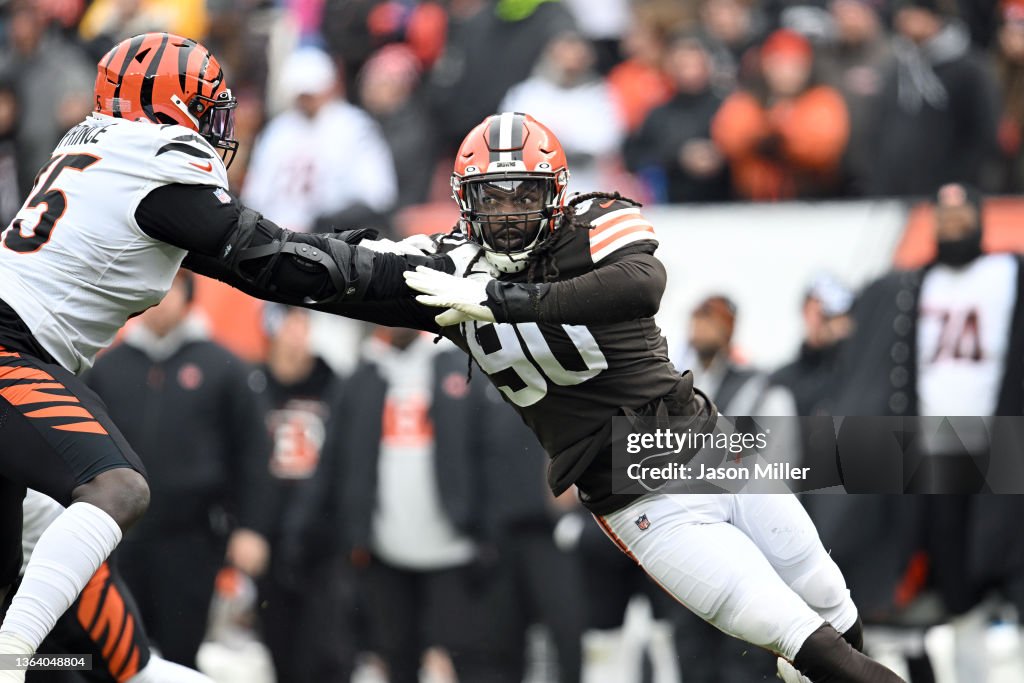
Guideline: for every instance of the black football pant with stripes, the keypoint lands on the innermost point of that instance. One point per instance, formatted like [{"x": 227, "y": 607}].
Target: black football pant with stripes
[
  {"x": 55, "y": 435},
  {"x": 104, "y": 622}
]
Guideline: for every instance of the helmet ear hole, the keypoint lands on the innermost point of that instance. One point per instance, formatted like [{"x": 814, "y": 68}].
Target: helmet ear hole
[{"x": 196, "y": 107}]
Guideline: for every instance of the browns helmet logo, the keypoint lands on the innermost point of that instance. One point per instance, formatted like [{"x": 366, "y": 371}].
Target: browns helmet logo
[{"x": 510, "y": 158}]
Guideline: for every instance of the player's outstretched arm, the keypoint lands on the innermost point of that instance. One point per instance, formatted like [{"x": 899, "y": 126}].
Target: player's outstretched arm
[
  {"x": 626, "y": 286},
  {"x": 236, "y": 245}
]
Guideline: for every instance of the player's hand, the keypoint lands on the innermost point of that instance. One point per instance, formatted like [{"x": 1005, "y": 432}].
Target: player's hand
[
  {"x": 465, "y": 298},
  {"x": 417, "y": 245},
  {"x": 248, "y": 551}
]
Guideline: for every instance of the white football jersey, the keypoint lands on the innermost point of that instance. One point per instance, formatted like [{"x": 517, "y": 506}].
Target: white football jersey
[
  {"x": 963, "y": 335},
  {"x": 74, "y": 263}
]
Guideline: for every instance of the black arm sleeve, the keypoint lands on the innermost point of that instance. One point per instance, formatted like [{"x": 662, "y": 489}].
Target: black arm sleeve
[
  {"x": 191, "y": 217},
  {"x": 204, "y": 219},
  {"x": 626, "y": 288}
]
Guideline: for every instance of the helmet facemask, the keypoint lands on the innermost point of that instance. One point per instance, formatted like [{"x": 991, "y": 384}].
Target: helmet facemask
[
  {"x": 509, "y": 214},
  {"x": 216, "y": 123}
]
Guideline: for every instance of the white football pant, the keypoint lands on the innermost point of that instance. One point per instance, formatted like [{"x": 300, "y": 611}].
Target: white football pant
[{"x": 750, "y": 564}]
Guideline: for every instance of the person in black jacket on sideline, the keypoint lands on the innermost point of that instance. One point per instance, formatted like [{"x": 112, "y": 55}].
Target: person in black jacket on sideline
[
  {"x": 414, "y": 491},
  {"x": 306, "y": 596},
  {"x": 673, "y": 148},
  {"x": 185, "y": 404}
]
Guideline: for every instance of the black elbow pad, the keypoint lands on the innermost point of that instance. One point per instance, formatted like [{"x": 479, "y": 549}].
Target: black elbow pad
[{"x": 255, "y": 250}]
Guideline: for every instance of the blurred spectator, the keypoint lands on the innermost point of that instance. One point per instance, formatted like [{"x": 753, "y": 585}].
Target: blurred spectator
[
  {"x": 732, "y": 28},
  {"x": 673, "y": 148},
  {"x": 345, "y": 27},
  {"x": 603, "y": 24},
  {"x": 735, "y": 390},
  {"x": 809, "y": 18},
  {"x": 249, "y": 120},
  {"x": 53, "y": 80},
  {"x": 387, "y": 87},
  {"x": 307, "y": 596},
  {"x": 826, "y": 313},
  {"x": 10, "y": 191},
  {"x": 785, "y": 137},
  {"x": 353, "y": 30},
  {"x": 810, "y": 378},
  {"x": 491, "y": 47},
  {"x": 575, "y": 102},
  {"x": 242, "y": 34},
  {"x": 1009, "y": 61},
  {"x": 209, "y": 482},
  {"x": 111, "y": 21},
  {"x": 320, "y": 156},
  {"x": 413, "y": 509},
  {"x": 305, "y": 17},
  {"x": 982, "y": 19},
  {"x": 948, "y": 339},
  {"x": 952, "y": 323},
  {"x": 544, "y": 579},
  {"x": 639, "y": 83},
  {"x": 66, "y": 13},
  {"x": 856, "y": 63},
  {"x": 937, "y": 117}
]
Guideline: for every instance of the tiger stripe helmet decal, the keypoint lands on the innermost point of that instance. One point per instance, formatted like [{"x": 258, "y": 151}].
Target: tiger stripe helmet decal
[{"x": 167, "y": 79}]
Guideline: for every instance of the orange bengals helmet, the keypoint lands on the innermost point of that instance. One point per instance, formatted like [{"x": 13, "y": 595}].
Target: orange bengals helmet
[
  {"x": 510, "y": 181},
  {"x": 164, "y": 78}
]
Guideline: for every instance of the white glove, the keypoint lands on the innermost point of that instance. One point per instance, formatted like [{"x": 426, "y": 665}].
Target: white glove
[
  {"x": 416, "y": 245},
  {"x": 465, "y": 298},
  {"x": 788, "y": 673},
  {"x": 466, "y": 254},
  {"x": 419, "y": 242}
]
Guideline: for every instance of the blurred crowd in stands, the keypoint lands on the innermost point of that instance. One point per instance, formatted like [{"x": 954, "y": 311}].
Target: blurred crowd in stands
[
  {"x": 350, "y": 110},
  {"x": 349, "y": 114}
]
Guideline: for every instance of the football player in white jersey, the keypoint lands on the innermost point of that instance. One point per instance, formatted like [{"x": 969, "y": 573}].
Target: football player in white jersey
[
  {"x": 139, "y": 188},
  {"x": 105, "y": 621},
  {"x": 127, "y": 193}
]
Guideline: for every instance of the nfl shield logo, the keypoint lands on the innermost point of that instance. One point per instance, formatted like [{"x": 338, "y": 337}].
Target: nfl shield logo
[{"x": 642, "y": 523}]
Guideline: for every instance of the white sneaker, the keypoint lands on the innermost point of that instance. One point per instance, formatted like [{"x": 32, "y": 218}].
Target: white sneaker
[
  {"x": 11, "y": 644},
  {"x": 788, "y": 673}
]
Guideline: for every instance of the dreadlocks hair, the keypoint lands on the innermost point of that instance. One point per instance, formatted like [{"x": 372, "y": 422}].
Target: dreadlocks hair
[
  {"x": 569, "y": 222},
  {"x": 543, "y": 256},
  {"x": 472, "y": 262}
]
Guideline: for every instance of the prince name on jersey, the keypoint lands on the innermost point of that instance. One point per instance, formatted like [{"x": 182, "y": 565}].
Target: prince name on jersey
[{"x": 98, "y": 266}]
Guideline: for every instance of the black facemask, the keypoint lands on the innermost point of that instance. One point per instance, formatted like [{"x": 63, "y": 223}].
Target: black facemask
[{"x": 958, "y": 253}]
